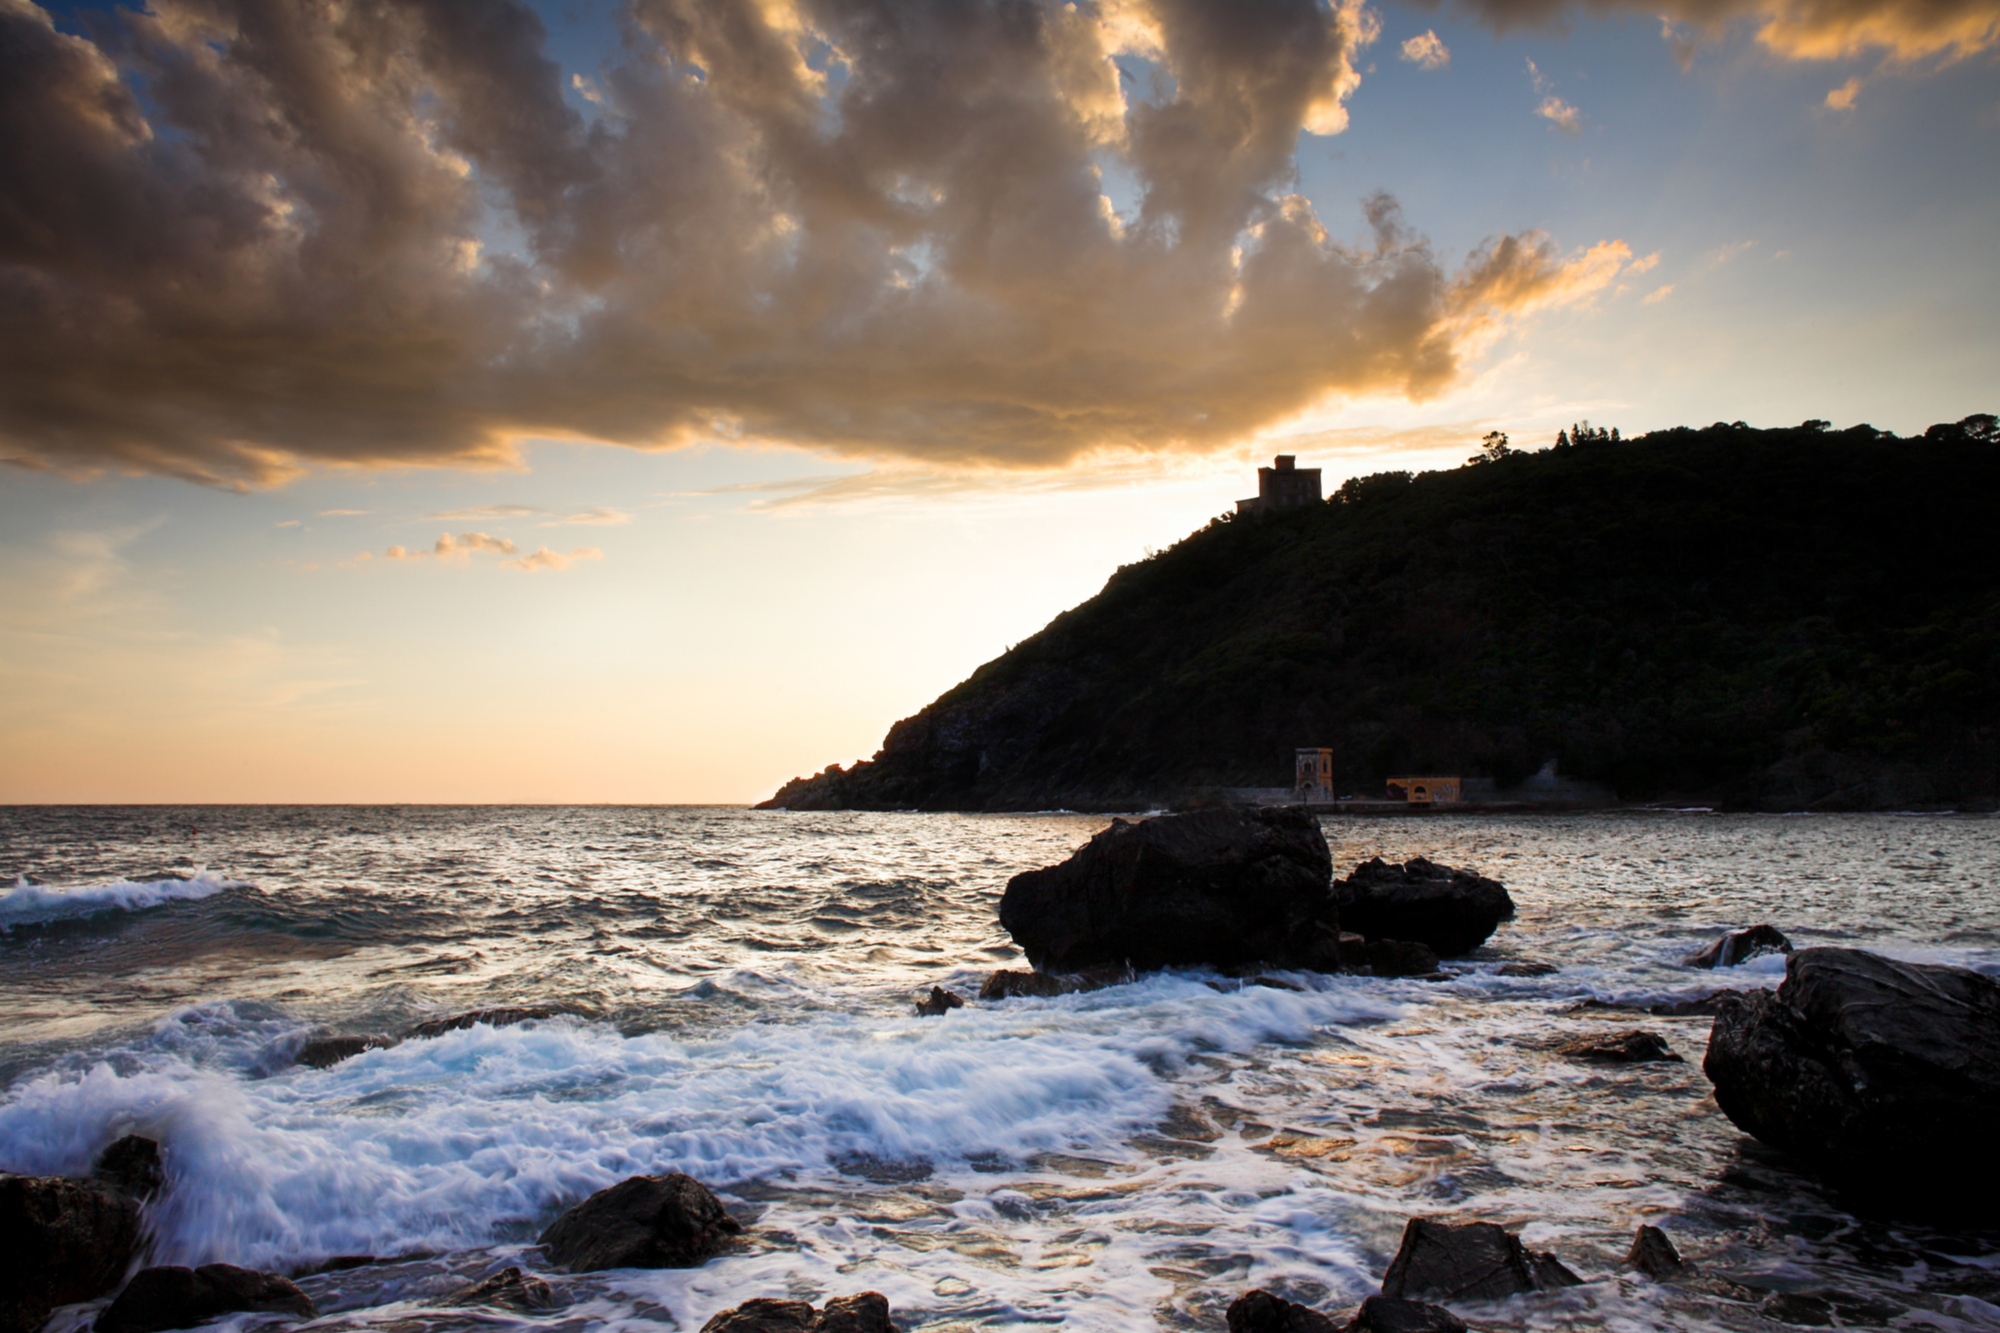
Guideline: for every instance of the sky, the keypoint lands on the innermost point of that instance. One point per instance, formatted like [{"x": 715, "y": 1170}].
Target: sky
[{"x": 466, "y": 400}]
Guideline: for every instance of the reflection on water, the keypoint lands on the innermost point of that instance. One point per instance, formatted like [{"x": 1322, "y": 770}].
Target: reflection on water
[{"x": 1130, "y": 1158}]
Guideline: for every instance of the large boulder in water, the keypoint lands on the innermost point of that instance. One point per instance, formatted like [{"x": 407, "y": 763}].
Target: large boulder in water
[
  {"x": 670, "y": 1221},
  {"x": 1469, "y": 1261},
  {"x": 1217, "y": 886},
  {"x": 1883, "y": 1075},
  {"x": 61, "y": 1241},
  {"x": 867, "y": 1312},
  {"x": 172, "y": 1297},
  {"x": 1740, "y": 946},
  {"x": 1453, "y": 911}
]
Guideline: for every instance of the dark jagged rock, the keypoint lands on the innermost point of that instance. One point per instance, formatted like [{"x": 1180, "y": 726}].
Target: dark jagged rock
[
  {"x": 1872, "y": 1071},
  {"x": 1261, "y": 1312},
  {"x": 670, "y": 1221},
  {"x": 1385, "y": 1314},
  {"x": 509, "y": 1289},
  {"x": 161, "y": 1298},
  {"x": 499, "y": 1018},
  {"x": 1654, "y": 1255},
  {"x": 61, "y": 1241},
  {"x": 1469, "y": 1261},
  {"x": 1528, "y": 969},
  {"x": 1005, "y": 984},
  {"x": 867, "y": 1312},
  {"x": 326, "y": 1052},
  {"x": 1401, "y": 958},
  {"x": 1740, "y": 946},
  {"x": 132, "y": 1166},
  {"x": 1222, "y": 886},
  {"x": 939, "y": 1002},
  {"x": 1623, "y": 1048},
  {"x": 1701, "y": 1006},
  {"x": 1453, "y": 911}
]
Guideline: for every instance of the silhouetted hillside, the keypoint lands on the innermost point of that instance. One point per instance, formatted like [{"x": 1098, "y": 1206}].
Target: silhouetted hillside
[{"x": 1770, "y": 619}]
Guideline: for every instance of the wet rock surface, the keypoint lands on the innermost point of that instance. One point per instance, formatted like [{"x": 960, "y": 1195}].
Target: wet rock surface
[
  {"x": 505, "y": 1016},
  {"x": 61, "y": 1241},
  {"x": 132, "y": 1165},
  {"x": 1262, "y": 1312},
  {"x": 1469, "y": 1261},
  {"x": 1452, "y": 911},
  {"x": 938, "y": 1003},
  {"x": 173, "y": 1297},
  {"x": 1401, "y": 958},
  {"x": 508, "y": 1289},
  {"x": 1653, "y": 1254},
  {"x": 669, "y": 1221},
  {"x": 327, "y": 1050},
  {"x": 1620, "y": 1048},
  {"x": 867, "y": 1312},
  {"x": 1867, "y": 1069},
  {"x": 1008, "y": 983},
  {"x": 1740, "y": 946},
  {"x": 1219, "y": 886},
  {"x": 1385, "y": 1314}
]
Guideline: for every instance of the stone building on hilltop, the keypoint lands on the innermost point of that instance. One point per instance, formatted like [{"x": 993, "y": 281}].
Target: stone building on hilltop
[{"x": 1283, "y": 485}]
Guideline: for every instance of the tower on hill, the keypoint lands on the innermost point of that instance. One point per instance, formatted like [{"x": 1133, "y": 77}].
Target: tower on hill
[{"x": 1283, "y": 485}]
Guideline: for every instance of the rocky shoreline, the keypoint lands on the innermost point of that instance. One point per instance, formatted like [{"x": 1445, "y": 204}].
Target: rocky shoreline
[{"x": 1858, "y": 1069}]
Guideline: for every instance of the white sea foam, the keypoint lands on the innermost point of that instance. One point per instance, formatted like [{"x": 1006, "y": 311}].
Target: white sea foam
[
  {"x": 479, "y": 1135},
  {"x": 27, "y": 903}
]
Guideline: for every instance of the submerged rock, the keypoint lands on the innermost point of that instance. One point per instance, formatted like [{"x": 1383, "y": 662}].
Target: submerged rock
[
  {"x": 1469, "y": 1261},
  {"x": 326, "y": 1052},
  {"x": 670, "y": 1221},
  {"x": 1261, "y": 1312},
  {"x": 1005, "y": 984},
  {"x": 867, "y": 1312},
  {"x": 161, "y": 1298},
  {"x": 939, "y": 1002},
  {"x": 1740, "y": 946},
  {"x": 1654, "y": 1255},
  {"x": 505, "y": 1016},
  {"x": 1528, "y": 969},
  {"x": 509, "y": 1289},
  {"x": 1623, "y": 1048},
  {"x": 1401, "y": 958},
  {"x": 1881, "y": 1074},
  {"x": 1452, "y": 911},
  {"x": 61, "y": 1241},
  {"x": 1386, "y": 1314},
  {"x": 132, "y": 1166},
  {"x": 1221, "y": 886}
]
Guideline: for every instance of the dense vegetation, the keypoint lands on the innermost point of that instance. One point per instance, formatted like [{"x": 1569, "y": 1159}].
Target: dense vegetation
[{"x": 1787, "y": 619}]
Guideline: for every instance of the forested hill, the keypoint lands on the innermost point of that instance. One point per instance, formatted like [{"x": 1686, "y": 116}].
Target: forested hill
[{"x": 1770, "y": 619}]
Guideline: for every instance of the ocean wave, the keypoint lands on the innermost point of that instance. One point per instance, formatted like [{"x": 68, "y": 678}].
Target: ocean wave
[{"x": 30, "y": 904}]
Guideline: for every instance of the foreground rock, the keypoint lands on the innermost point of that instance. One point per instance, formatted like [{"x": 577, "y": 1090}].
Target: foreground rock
[
  {"x": 1654, "y": 1255},
  {"x": 670, "y": 1221},
  {"x": 1882, "y": 1075},
  {"x": 1452, "y": 911},
  {"x": 505, "y": 1016},
  {"x": 61, "y": 1241},
  {"x": 866, "y": 1313},
  {"x": 1740, "y": 946},
  {"x": 159, "y": 1298},
  {"x": 132, "y": 1166},
  {"x": 1469, "y": 1261},
  {"x": 1225, "y": 887},
  {"x": 1261, "y": 1312},
  {"x": 1618, "y": 1048},
  {"x": 508, "y": 1289},
  {"x": 325, "y": 1051}
]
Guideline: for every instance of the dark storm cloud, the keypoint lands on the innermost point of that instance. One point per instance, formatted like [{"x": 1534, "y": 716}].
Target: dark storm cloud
[{"x": 242, "y": 237}]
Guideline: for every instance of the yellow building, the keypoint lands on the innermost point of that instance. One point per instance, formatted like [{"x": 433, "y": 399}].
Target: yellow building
[
  {"x": 1313, "y": 775},
  {"x": 1425, "y": 791}
]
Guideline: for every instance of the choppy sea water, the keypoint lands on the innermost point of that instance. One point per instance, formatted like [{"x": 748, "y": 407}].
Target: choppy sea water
[{"x": 1131, "y": 1158}]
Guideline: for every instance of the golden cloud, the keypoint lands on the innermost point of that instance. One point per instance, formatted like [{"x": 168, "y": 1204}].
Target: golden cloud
[
  {"x": 1904, "y": 31},
  {"x": 281, "y": 259}
]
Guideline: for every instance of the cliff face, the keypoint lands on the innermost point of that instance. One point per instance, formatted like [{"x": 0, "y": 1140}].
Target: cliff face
[{"x": 1767, "y": 619}]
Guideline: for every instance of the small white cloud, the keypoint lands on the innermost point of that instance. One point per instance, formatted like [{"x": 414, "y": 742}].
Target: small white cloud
[
  {"x": 1560, "y": 114},
  {"x": 1658, "y": 294},
  {"x": 1646, "y": 265},
  {"x": 344, "y": 513},
  {"x": 1842, "y": 98},
  {"x": 479, "y": 512},
  {"x": 595, "y": 515},
  {"x": 288, "y": 523},
  {"x": 1425, "y": 51},
  {"x": 544, "y": 558}
]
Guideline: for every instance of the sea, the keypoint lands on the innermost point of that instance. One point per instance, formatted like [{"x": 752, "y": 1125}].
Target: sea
[{"x": 736, "y": 993}]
